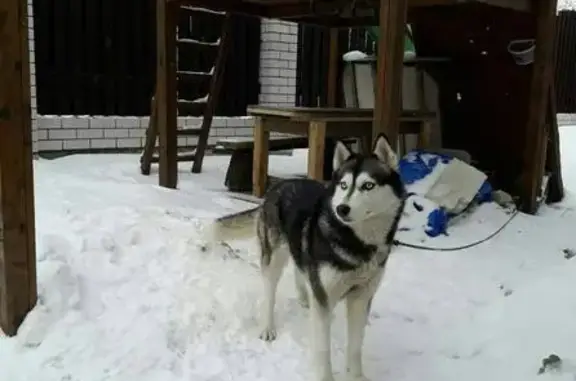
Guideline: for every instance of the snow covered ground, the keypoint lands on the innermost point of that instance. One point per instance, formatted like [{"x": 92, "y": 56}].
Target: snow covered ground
[{"x": 127, "y": 290}]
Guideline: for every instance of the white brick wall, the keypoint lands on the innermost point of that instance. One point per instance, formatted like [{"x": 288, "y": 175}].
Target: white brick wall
[
  {"x": 32, "y": 76},
  {"x": 566, "y": 119},
  {"x": 57, "y": 133},
  {"x": 278, "y": 63},
  {"x": 278, "y": 87}
]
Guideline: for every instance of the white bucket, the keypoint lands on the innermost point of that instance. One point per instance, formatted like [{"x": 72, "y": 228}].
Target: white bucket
[{"x": 522, "y": 51}]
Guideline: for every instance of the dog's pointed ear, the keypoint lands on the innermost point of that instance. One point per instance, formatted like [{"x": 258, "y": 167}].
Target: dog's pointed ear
[
  {"x": 384, "y": 152},
  {"x": 341, "y": 154}
]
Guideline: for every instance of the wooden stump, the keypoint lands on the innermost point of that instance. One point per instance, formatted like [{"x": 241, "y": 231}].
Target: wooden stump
[{"x": 239, "y": 173}]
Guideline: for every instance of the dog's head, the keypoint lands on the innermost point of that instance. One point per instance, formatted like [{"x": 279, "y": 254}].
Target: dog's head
[{"x": 366, "y": 185}]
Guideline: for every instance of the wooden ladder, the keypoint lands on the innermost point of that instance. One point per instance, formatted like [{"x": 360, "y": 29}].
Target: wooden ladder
[{"x": 204, "y": 106}]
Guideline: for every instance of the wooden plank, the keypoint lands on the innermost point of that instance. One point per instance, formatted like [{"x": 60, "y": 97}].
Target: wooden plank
[
  {"x": 389, "y": 69},
  {"x": 17, "y": 237},
  {"x": 332, "y": 113},
  {"x": 335, "y": 128},
  {"x": 542, "y": 79},
  {"x": 291, "y": 111},
  {"x": 166, "y": 93},
  {"x": 274, "y": 143}
]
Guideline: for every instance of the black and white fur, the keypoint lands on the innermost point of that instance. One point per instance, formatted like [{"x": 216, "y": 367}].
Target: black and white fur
[{"x": 339, "y": 237}]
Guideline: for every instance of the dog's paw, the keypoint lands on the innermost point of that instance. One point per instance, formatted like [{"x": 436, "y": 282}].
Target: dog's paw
[{"x": 268, "y": 334}]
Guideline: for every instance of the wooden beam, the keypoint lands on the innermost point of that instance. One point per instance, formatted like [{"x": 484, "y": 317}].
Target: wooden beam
[
  {"x": 235, "y": 6},
  {"x": 542, "y": 80},
  {"x": 325, "y": 12},
  {"x": 166, "y": 102},
  {"x": 389, "y": 69},
  {"x": 331, "y": 21},
  {"x": 17, "y": 246}
]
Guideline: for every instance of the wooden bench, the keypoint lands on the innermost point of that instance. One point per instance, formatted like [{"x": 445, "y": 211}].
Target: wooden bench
[
  {"x": 319, "y": 125},
  {"x": 239, "y": 173}
]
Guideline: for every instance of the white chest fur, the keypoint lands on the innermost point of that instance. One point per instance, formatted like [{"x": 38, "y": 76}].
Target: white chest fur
[{"x": 337, "y": 283}]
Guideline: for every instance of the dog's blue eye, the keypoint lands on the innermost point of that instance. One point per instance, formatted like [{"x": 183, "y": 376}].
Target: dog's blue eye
[
  {"x": 343, "y": 185},
  {"x": 368, "y": 186}
]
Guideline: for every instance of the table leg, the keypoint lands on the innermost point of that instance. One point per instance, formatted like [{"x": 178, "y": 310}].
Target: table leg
[
  {"x": 260, "y": 158},
  {"x": 424, "y": 137},
  {"x": 316, "y": 139}
]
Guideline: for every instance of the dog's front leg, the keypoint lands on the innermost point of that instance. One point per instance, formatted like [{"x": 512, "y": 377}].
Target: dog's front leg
[
  {"x": 358, "y": 305},
  {"x": 320, "y": 325}
]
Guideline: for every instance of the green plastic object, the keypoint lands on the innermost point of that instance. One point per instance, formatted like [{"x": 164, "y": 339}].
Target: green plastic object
[{"x": 409, "y": 48}]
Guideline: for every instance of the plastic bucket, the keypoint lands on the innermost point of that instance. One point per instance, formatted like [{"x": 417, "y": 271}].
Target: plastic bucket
[{"x": 522, "y": 51}]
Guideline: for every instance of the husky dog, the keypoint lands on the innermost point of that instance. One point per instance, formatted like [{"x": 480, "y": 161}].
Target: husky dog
[{"x": 338, "y": 236}]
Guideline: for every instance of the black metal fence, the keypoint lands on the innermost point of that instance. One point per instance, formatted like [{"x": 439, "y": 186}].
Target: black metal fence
[
  {"x": 312, "y": 65},
  {"x": 313, "y": 48},
  {"x": 97, "y": 57},
  {"x": 566, "y": 62}
]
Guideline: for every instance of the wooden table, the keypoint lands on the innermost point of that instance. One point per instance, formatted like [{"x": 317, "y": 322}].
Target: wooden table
[{"x": 319, "y": 123}]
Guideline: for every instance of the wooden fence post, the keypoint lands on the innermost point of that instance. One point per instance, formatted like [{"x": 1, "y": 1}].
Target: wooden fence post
[{"x": 17, "y": 246}]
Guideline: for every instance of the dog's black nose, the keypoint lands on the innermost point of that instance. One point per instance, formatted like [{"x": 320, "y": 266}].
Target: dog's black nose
[{"x": 343, "y": 210}]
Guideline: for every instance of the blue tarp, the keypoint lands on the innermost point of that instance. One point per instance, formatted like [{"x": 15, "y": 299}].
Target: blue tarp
[{"x": 417, "y": 165}]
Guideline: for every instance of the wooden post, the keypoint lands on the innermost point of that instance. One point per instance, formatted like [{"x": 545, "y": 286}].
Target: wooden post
[
  {"x": 260, "y": 157},
  {"x": 333, "y": 91},
  {"x": 333, "y": 66},
  {"x": 542, "y": 79},
  {"x": 17, "y": 246},
  {"x": 166, "y": 116},
  {"x": 316, "y": 144},
  {"x": 553, "y": 161},
  {"x": 389, "y": 69},
  {"x": 150, "y": 143}
]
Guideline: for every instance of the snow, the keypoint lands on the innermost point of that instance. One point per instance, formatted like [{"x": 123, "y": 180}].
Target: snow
[
  {"x": 128, "y": 289},
  {"x": 354, "y": 55},
  {"x": 566, "y": 5}
]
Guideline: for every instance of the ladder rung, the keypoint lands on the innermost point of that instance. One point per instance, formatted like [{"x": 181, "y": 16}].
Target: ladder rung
[
  {"x": 180, "y": 157},
  {"x": 189, "y": 131},
  {"x": 191, "y": 108},
  {"x": 202, "y": 10},
  {"x": 196, "y": 107},
  {"x": 191, "y": 41},
  {"x": 193, "y": 77}
]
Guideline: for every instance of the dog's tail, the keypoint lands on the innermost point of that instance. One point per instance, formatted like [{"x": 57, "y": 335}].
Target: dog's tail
[{"x": 234, "y": 226}]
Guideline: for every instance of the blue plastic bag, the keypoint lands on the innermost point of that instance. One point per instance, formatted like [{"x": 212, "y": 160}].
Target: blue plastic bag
[{"x": 415, "y": 166}]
